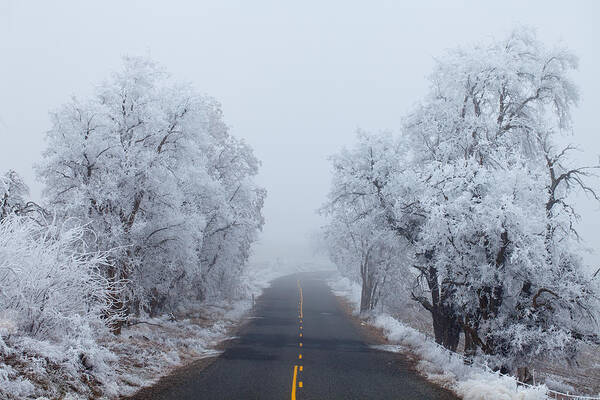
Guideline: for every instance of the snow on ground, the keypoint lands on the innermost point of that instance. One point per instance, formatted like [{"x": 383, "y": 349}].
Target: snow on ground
[
  {"x": 153, "y": 347},
  {"x": 471, "y": 382},
  {"x": 113, "y": 366}
]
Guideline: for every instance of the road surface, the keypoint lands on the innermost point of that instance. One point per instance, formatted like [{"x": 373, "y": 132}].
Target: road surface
[{"x": 300, "y": 344}]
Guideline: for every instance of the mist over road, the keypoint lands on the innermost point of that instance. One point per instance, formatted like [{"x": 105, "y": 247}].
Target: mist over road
[{"x": 300, "y": 344}]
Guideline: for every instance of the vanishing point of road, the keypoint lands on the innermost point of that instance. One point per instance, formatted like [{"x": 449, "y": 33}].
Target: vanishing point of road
[{"x": 300, "y": 344}]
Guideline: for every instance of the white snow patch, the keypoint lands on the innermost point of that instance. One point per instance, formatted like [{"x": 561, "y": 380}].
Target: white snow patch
[{"x": 487, "y": 386}]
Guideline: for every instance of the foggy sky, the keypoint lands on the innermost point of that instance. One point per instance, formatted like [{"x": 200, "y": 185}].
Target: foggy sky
[{"x": 295, "y": 79}]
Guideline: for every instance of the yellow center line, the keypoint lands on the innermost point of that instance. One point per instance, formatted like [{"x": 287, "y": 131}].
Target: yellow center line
[
  {"x": 301, "y": 303},
  {"x": 294, "y": 382},
  {"x": 301, "y": 297}
]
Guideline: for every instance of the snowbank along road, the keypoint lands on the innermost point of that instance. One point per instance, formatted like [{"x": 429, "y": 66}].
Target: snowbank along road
[{"x": 300, "y": 344}]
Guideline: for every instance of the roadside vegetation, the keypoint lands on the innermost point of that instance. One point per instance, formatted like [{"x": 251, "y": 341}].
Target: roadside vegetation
[{"x": 149, "y": 211}]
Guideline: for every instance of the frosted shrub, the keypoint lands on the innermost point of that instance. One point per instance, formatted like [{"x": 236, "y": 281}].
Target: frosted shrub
[{"x": 48, "y": 287}]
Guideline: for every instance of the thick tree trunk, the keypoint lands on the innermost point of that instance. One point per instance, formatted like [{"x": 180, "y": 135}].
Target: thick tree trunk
[
  {"x": 446, "y": 324},
  {"x": 446, "y": 327}
]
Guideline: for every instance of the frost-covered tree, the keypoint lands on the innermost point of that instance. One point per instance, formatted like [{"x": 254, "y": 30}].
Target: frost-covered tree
[
  {"x": 14, "y": 200},
  {"x": 12, "y": 193},
  {"x": 364, "y": 255},
  {"x": 377, "y": 185},
  {"x": 233, "y": 214},
  {"x": 476, "y": 189},
  {"x": 485, "y": 134},
  {"x": 150, "y": 167},
  {"x": 362, "y": 235}
]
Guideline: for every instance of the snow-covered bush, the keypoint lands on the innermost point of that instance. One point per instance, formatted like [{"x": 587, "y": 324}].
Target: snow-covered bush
[
  {"x": 53, "y": 307},
  {"x": 49, "y": 287}
]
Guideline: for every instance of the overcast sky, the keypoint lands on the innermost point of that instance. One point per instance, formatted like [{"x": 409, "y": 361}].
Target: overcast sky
[{"x": 296, "y": 79}]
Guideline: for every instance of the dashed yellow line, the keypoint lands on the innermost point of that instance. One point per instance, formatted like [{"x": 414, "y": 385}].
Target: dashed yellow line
[
  {"x": 301, "y": 298},
  {"x": 301, "y": 303},
  {"x": 294, "y": 382}
]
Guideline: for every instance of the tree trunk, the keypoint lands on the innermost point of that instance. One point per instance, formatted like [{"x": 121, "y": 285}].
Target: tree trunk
[
  {"x": 446, "y": 327},
  {"x": 524, "y": 375},
  {"x": 368, "y": 299},
  {"x": 470, "y": 340},
  {"x": 367, "y": 295},
  {"x": 117, "y": 307},
  {"x": 446, "y": 324}
]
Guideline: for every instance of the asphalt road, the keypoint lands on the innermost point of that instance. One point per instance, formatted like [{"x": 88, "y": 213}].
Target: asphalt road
[{"x": 300, "y": 344}]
